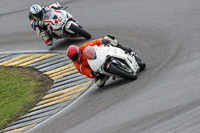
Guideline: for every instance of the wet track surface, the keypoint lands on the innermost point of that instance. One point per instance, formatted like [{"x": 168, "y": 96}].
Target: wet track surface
[{"x": 166, "y": 34}]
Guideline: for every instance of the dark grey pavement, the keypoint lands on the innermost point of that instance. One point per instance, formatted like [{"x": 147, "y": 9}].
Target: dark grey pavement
[{"x": 165, "y": 33}]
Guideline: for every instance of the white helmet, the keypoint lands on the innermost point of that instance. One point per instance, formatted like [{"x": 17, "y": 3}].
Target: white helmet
[{"x": 36, "y": 11}]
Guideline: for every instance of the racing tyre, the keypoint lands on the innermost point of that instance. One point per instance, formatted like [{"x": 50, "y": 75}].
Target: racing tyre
[
  {"x": 125, "y": 73},
  {"x": 80, "y": 31}
]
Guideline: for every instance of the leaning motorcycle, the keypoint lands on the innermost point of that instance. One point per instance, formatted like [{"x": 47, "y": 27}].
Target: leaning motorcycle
[
  {"x": 113, "y": 61},
  {"x": 61, "y": 24}
]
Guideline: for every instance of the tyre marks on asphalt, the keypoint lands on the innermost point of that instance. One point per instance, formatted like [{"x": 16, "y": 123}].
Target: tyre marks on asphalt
[{"x": 68, "y": 85}]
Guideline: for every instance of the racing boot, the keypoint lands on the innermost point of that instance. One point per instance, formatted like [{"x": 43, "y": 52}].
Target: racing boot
[
  {"x": 110, "y": 39},
  {"x": 101, "y": 79},
  {"x": 48, "y": 41}
]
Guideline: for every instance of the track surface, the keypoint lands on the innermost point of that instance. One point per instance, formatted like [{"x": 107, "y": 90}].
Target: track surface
[{"x": 165, "y": 33}]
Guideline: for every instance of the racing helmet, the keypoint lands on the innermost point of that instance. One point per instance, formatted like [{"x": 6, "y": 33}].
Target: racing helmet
[
  {"x": 74, "y": 53},
  {"x": 36, "y": 11}
]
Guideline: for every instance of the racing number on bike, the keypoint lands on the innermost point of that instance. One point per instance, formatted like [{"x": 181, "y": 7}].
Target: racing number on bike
[{"x": 60, "y": 19}]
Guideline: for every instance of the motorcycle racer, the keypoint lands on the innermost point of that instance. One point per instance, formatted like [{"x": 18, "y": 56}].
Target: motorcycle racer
[
  {"x": 75, "y": 53},
  {"x": 37, "y": 15}
]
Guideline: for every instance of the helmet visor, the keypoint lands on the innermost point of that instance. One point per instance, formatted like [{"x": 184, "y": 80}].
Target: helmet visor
[
  {"x": 89, "y": 53},
  {"x": 75, "y": 56},
  {"x": 38, "y": 15}
]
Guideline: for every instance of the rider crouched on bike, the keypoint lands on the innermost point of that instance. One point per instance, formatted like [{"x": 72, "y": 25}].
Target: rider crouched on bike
[
  {"x": 75, "y": 53},
  {"x": 36, "y": 15}
]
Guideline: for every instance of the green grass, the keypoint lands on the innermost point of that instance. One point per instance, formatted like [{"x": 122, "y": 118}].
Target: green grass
[{"x": 17, "y": 91}]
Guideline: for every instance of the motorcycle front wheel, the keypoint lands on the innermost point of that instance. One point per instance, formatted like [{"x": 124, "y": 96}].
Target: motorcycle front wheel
[
  {"x": 80, "y": 31},
  {"x": 122, "y": 72},
  {"x": 141, "y": 64}
]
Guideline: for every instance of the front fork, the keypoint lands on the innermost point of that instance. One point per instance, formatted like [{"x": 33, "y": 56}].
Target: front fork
[
  {"x": 67, "y": 27},
  {"x": 132, "y": 60}
]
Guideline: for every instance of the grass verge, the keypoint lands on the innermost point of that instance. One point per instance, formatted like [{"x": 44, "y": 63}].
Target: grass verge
[{"x": 20, "y": 89}]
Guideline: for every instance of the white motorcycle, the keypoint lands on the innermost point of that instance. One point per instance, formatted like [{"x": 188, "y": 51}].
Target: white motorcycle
[
  {"x": 113, "y": 61},
  {"x": 61, "y": 24}
]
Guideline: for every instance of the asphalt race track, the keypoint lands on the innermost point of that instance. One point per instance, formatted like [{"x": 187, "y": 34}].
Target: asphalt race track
[{"x": 165, "y": 33}]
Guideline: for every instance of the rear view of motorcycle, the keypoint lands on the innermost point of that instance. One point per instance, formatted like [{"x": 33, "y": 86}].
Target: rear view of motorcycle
[{"x": 114, "y": 62}]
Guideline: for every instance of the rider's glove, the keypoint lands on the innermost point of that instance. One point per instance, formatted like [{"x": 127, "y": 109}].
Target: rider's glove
[
  {"x": 110, "y": 39},
  {"x": 48, "y": 31},
  {"x": 129, "y": 50},
  {"x": 42, "y": 33}
]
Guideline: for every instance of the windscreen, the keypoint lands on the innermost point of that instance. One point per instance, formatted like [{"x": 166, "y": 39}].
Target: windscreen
[
  {"x": 50, "y": 14},
  {"x": 89, "y": 53}
]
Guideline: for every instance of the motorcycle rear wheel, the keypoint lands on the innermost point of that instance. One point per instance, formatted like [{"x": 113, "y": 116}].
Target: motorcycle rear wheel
[
  {"x": 80, "y": 31},
  {"x": 122, "y": 72}
]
